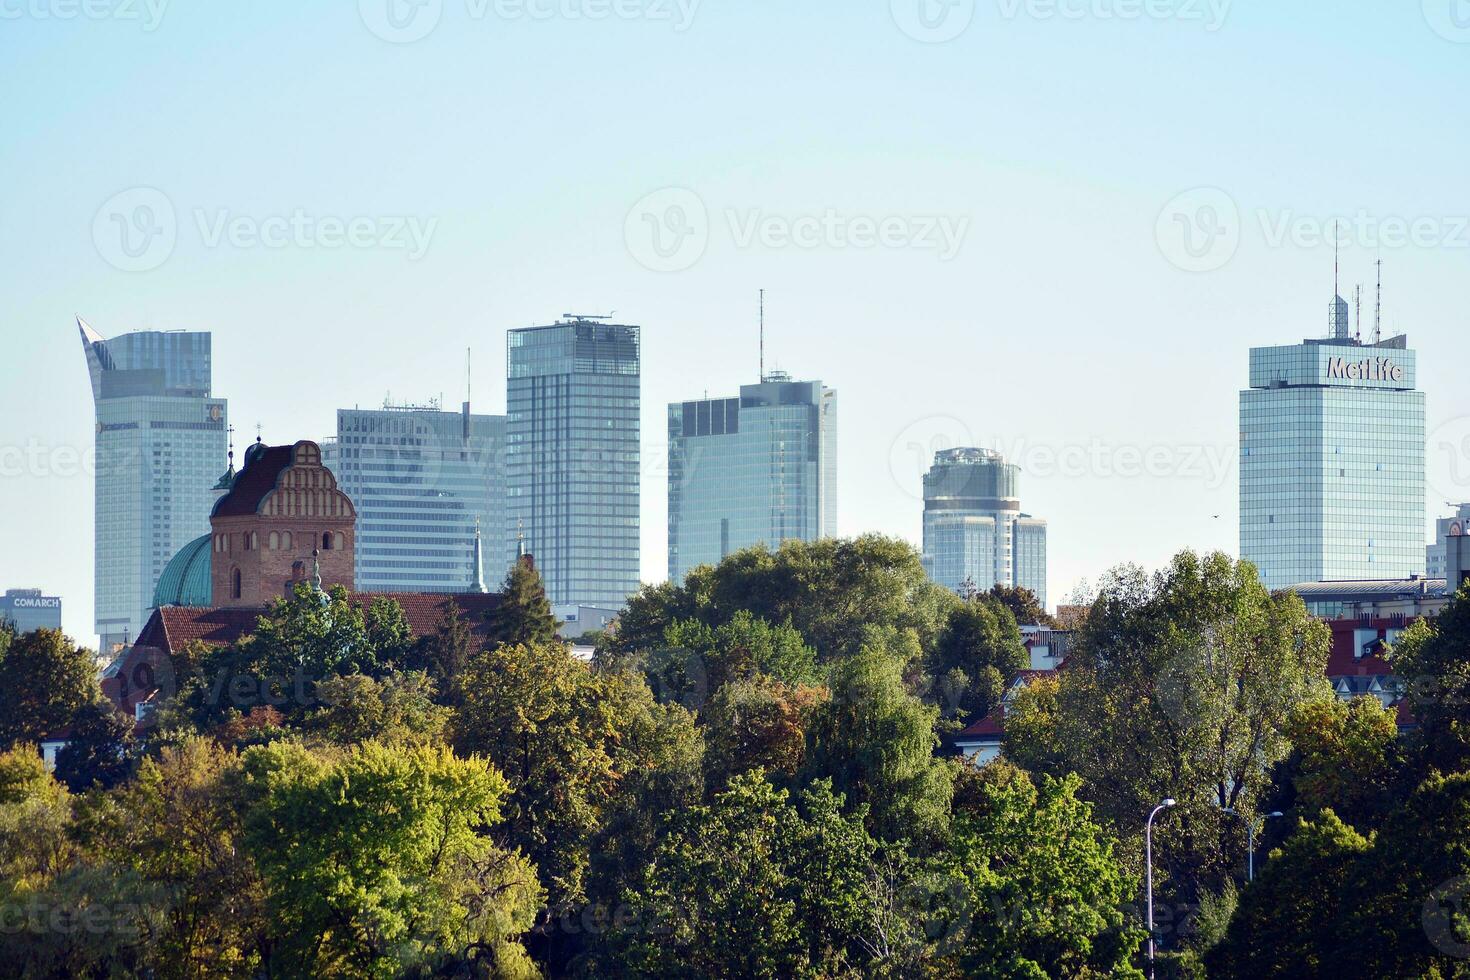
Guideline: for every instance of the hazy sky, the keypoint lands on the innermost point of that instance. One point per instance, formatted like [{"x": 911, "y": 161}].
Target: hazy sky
[{"x": 1050, "y": 227}]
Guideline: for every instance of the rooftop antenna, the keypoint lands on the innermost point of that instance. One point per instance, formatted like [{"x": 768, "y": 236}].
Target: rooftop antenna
[
  {"x": 763, "y": 336},
  {"x": 1378, "y": 307},
  {"x": 1358, "y": 305},
  {"x": 469, "y": 376}
]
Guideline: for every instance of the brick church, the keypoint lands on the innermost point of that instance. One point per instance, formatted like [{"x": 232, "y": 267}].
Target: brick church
[{"x": 278, "y": 523}]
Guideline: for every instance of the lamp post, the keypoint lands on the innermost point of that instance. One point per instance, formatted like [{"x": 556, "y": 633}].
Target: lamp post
[
  {"x": 1148, "y": 863},
  {"x": 1250, "y": 838}
]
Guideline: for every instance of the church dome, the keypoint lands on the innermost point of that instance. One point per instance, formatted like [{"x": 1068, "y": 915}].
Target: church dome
[{"x": 186, "y": 580}]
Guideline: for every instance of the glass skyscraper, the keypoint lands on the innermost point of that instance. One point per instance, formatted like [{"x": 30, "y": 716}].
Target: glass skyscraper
[
  {"x": 1332, "y": 460},
  {"x": 572, "y": 456},
  {"x": 161, "y": 444},
  {"x": 422, "y": 480},
  {"x": 760, "y": 468},
  {"x": 975, "y": 535}
]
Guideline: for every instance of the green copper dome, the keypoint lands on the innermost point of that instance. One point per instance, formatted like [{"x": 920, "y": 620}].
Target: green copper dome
[{"x": 186, "y": 579}]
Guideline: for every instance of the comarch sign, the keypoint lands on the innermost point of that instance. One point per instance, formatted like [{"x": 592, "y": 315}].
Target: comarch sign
[
  {"x": 32, "y": 603},
  {"x": 1368, "y": 369}
]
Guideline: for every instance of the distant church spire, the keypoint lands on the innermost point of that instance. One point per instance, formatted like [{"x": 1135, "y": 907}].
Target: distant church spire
[{"x": 477, "y": 582}]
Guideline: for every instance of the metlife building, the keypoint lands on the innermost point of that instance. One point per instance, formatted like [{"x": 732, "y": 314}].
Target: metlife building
[{"x": 1332, "y": 461}]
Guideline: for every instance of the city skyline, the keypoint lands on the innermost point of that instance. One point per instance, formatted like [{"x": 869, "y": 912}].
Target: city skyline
[{"x": 1086, "y": 325}]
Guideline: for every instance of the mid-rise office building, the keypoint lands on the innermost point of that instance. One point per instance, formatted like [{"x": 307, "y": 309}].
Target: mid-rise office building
[
  {"x": 975, "y": 535},
  {"x": 161, "y": 440},
  {"x": 1332, "y": 460},
  {"x": 423, "y": 480},
  {"x": 1445, "y": 527},
  {"x": 760, "y": 468},
  {"x": 572, "y": 456},
  {"x": 28, "y": 610}
]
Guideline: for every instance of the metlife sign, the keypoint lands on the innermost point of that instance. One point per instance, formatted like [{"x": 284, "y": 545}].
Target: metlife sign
[{"x": 1368, "y": 369}]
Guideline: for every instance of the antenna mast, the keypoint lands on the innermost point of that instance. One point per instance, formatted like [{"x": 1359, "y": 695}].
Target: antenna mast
[
  {"x": 469, "y": 376},
  {"x": 763, "y": 337},
  {"x": 1358, "y": 307},
  {"x": 1378, "y": 308}
]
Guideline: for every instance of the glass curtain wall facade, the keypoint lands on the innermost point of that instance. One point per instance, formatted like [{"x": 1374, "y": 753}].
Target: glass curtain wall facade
[
  {"x": 975, "y": 535},
  {"x": 161, "y": 443},
  {"x": 1332, "y": 462},
  {"x": 757, "y": 469},
  {"x": 572, "y": 456},
  {"x": 422, "y": 481}
]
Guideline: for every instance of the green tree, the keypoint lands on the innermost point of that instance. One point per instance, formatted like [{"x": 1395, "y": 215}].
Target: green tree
[
  {"x": 98, "y": 743},
  {"x": 1287, "y": 919},
  {"x": 1023, "y": 604},
  {"x": 759, "y": 723},
  {"x": 978, "y": 653},
  {"x": 1180, "y": 685},
  {"x": 376, "y": 863},
  {"x": 1346, "y": 758},
  {"x": 1433, "y": 661},
  {"x": 523, "y": 614},
  {"x": 876, "y": 743},
  {"x": 538, "y": 715},
  {"x": 698, "y": 659},
  {"x": 1042, "y": 891},
  {"x": 446, "y": 651},
  {"x": 399, "y": 709},
  {"x": 49, "y": 681},
  {"x": 834, "y": 592}
]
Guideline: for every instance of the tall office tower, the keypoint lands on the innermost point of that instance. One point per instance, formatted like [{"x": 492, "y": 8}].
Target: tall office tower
[
  {"x": 757, "y": 469},
  {"x": 572, "y": 456},
  {"x": 160, "y": 441},
  {"x": 1445, "y": 528},
  {"x": 975, "y": 535},
  {"x": 422, "y": 480},
  {"x": 1332, "y": 460}
]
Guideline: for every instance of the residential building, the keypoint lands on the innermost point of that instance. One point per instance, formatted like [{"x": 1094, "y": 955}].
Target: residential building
[
  {"x": 422, "y": 481},
  {"x": 160, "y": 437},
  {"x": 28, "y": 610},
  {"x": 760, "y": 468},
  {"x": 1332, "y": 460},
  {"x": 975, "y": 535},
  {"x": 572, "y": 456}
]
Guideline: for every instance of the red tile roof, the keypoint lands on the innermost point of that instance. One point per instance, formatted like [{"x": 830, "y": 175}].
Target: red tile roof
[
  {"x": 263, "y": 466},
  {"x": 173, "y": 627}
]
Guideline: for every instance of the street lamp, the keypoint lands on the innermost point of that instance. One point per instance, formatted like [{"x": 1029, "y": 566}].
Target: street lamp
[
  {"x": 1250, "y": 837},
  {"x": 1148, "y": 863}
]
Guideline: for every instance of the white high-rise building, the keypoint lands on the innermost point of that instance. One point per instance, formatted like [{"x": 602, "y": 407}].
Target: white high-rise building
[
  {"x": 975, "y": 535},
  {"x": 757, "y": 469},
  {"x": 422, "y": 480},
  {"x": 161, "y": 442}
]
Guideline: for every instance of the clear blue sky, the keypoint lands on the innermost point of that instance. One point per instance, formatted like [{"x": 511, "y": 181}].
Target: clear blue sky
[{"x": 1059, "y": 134}]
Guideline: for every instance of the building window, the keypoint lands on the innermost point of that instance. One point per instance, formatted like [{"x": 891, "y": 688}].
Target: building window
[
  {"x": 286, "y": 540},
  {"x": 326, "y": 540},
  {"x": 275, "y": 541},
  {"x": 235, "y": 584},
  {"x": 339, "y": 541}
]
